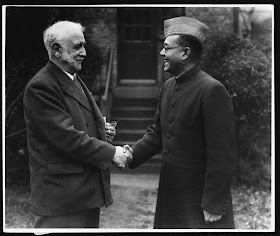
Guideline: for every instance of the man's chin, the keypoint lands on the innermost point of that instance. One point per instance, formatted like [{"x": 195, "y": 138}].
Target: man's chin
[
  {"x": 166, "y": 69},
  {"x": 78, "y": 68}
]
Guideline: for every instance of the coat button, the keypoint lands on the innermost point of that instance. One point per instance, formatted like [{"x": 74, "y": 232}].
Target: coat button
[
  {"x": 173, "y": 104},
  {"x": 170, "y": 120},
  {"x": 168, "y": 136},
  {"x": 166, "y": 152}
]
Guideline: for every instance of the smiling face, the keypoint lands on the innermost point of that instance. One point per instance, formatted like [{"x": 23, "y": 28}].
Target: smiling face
[
  {"x": 73, "y": 52},
  {"x": 173, "y": 55}
]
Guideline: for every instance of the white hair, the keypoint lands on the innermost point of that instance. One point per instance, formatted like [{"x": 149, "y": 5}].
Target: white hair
[{"x": 59, "y": 32}]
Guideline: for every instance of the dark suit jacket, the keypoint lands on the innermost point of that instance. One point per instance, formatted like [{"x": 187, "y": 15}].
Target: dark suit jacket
[
  {"x": 194, "y": 128},
  {"x": 69, "y": 157}
]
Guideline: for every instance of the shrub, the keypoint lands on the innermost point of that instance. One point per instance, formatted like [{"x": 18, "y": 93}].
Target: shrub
[
  {"x": 246, "y": 73},
  {"x": 19, "y": 70}
]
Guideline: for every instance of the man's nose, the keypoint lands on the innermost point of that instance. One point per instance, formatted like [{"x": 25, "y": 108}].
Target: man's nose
[
  {"x": 162, "y": 52},
  {"x": 83, "y": 52}
]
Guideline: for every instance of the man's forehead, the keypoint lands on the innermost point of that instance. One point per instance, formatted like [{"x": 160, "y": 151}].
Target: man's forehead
[
  {"x": 80, "y": 40},
  {"x": 76, "y": 37},
  {"x": 171, "y": 39}
]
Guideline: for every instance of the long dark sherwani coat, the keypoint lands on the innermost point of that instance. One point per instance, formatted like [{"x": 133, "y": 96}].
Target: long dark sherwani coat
[
  {"x": 194, "y": 128},
  {"x": 69, "y": 157}
]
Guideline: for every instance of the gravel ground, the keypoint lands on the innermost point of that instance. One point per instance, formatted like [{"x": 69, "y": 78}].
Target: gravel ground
[{"x": 134, "y": 208}]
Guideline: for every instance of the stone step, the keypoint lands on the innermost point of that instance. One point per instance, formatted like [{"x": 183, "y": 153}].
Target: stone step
[
  {"x": 133, "y": 122},
  {"x": 146, "y": 102},
  {"x": 123, "y": 142},
  {"x": 133, "y": 111},
  {"x": 133, "y": 116},
  {"x": 129, "y": 134}
]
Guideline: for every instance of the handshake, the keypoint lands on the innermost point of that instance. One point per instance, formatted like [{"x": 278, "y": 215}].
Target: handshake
[{"x": 123, "y": 156}]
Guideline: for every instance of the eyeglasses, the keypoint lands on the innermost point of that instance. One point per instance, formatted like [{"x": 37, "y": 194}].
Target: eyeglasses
[{"x": 166, "y": 49}]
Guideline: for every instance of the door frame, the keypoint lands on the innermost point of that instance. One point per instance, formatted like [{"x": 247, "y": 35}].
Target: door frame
[{"x": 137, "y": 82}]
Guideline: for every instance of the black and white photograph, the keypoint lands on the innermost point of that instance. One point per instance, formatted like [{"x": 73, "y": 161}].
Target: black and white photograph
[{"x": 138, "y": 118}]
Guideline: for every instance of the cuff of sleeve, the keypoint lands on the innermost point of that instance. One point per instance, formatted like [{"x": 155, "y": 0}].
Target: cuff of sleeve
[
  {"x": 218, "y": 210},
  {"x": 107, "y": 156},
  {"x": 140, "y": 155}
]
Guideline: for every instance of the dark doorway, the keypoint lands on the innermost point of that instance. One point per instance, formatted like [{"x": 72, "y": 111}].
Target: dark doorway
[{"x": 137, "y": 52}]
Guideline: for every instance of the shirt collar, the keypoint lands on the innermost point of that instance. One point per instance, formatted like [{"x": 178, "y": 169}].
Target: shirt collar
[{"x": 72, "y": 77}]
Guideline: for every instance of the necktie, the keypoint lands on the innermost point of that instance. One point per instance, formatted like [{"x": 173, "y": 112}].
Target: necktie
[{"x": 78, "y": 83}]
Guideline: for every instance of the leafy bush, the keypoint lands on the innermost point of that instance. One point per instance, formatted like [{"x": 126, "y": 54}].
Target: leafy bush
[
  {"x": 246, "y": 73},
  {"x": 19, "y": 70}
]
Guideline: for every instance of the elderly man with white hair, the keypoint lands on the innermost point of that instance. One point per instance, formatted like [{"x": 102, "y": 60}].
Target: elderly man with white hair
[{"x": 69, "y": 155}]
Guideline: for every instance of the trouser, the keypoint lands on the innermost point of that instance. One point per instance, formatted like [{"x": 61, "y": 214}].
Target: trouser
[{"x": 83, "y": 219}]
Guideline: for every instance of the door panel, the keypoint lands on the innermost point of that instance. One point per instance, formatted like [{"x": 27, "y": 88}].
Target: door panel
[{"x": 137, "y": 55}]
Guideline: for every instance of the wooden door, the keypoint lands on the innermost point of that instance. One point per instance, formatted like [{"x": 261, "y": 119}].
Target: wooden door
[{"x": 137, "y": 51}]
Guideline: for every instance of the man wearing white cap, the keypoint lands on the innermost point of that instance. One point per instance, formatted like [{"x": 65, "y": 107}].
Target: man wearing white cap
[{"x": 194, "y": 128}]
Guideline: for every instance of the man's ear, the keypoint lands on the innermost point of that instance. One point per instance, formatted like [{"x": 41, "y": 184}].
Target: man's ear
[
  {"x": 56, "y": 49},
  {"x": 187, "y": 53}
]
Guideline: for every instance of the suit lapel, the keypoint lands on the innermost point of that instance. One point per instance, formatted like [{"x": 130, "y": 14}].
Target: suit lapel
[
  {"x": 73, "y": 91},
  {"x": 96, "y": 110},
  {"x": 84, "y": 99},
  {"x": 68, "y": 86}
]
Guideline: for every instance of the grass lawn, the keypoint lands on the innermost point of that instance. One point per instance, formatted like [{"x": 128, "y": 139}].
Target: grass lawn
[{"x": 134, "y": 208}]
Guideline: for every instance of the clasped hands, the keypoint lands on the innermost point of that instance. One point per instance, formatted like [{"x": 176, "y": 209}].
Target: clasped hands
[{"x": 123, "y": 156}]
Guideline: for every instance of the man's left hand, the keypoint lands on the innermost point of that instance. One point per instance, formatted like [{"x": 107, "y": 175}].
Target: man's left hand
[
  {"x": 209, "y": 217},
  {"x": 110, "y": 132}
]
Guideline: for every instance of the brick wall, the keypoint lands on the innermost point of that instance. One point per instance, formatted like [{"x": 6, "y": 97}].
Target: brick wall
[{"x": 102, "y": 31}]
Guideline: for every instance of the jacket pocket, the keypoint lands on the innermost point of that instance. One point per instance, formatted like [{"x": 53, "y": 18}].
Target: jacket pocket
[{"x": 65, "y": 168}]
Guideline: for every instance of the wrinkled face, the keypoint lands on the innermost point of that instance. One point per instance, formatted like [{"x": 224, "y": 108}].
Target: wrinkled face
[
  {"x": 172, "y": 55},
  {"x": 73, "y": 52}
]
